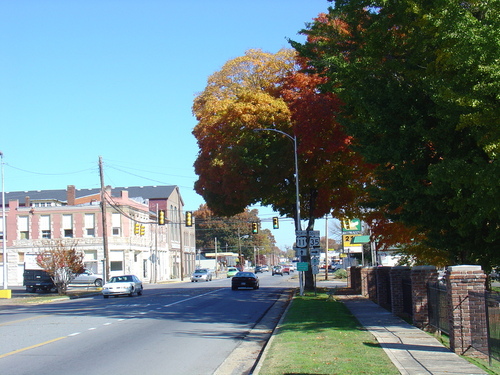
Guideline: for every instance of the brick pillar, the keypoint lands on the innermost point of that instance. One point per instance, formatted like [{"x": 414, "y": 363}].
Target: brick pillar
[
  {"x": 467, "y": 316},
  {"x": 354, "y": 279},
  {"x": 383, "y": 287},
  {"x": 397, "y": 275},
  {"x": 420, "y": 277},
  {"x": 369, "y": 283}
]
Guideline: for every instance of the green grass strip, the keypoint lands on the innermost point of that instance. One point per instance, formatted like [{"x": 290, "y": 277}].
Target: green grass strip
[{"x": 321, "y": 336}]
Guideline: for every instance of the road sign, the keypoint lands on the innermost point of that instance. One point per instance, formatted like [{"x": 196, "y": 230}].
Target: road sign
[
  {"x": 315, "y": 261},
  {"x": 300, "y": 251},
  {"x": 314, "y": 241},
  {"x": 302, "y": 266},
  {"x": 301, "y": 242},
  {"x": 314, "y": 251},
  {"x": 315, "y": 270}
]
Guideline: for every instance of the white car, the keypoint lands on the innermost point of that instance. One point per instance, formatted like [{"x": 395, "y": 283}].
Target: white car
[
  {"x": 88, "y": 277},
  {"x": 202, "y": 274},
  {"x": 122, "y": 285}
]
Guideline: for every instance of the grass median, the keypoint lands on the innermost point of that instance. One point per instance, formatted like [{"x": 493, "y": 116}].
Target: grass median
[{"x": 320, "y": 336}]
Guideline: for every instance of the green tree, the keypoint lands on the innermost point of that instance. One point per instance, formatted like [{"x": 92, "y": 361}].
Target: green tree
[
  {"x": 233, "y": 233},
  {"x": 419, "y": 83}
]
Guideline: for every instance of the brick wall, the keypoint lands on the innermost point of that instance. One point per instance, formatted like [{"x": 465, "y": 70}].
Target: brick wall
[
  {"x": 460, "y": 281},
  {"x": 420, "y": 277},
  {"x": 397, "y": 275}
]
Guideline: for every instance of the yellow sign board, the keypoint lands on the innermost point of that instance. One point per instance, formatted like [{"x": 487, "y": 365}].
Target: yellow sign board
[{"x": 347, "y": 238}]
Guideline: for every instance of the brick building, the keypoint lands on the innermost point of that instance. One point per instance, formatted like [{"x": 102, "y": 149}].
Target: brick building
[{"x": 136, "y": 243}]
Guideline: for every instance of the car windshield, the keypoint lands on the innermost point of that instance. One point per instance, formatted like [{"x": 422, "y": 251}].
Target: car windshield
[
  {"x": 120, "y": 279},
  {"x": 200, "y": 271}
]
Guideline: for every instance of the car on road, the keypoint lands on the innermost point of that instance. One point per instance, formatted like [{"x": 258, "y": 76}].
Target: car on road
[
  {"x": 277, "y": 271},
  {"x": 203, "y": 274},
  {"x": 231, "y": 271},
  {"x": 88, "y": 277},
  {"x": 265, "y": 268},
  {"x": 285, "y": 269},
  {"x": 122, "y": 285},
  {"x": 258, "y": 269},
  {"x": 245, "y": 280}
]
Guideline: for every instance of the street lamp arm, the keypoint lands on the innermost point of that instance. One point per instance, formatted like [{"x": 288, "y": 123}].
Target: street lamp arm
[
  {"x": 297, "y": 201},
  {"x": 276, "y": 130}
]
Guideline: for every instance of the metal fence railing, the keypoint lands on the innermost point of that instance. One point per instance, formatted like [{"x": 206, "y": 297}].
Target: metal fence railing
[{"x": 438, "y": 307}]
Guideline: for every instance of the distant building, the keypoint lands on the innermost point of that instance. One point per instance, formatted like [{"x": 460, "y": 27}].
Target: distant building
[{"x": 136, "y": 243}]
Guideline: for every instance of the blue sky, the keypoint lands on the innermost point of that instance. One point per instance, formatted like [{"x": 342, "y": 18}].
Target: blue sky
[{"x": 117, "y": 78}]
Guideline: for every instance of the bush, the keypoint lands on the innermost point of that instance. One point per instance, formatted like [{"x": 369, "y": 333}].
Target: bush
[{"x": 340, "y": 274}]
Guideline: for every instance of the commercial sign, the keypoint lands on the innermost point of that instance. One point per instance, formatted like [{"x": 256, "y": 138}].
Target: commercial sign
[
  {"x": 351, "y": 225},
  {"x": 347, "y": 238}
]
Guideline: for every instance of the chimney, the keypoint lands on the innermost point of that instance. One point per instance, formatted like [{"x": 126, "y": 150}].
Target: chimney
[
  {"x": 27, "y": 201},
  {"x": 71, "y": 195}
]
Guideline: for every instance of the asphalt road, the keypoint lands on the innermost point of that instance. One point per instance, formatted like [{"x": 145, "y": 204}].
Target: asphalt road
[{"x": 183, "y": 328}]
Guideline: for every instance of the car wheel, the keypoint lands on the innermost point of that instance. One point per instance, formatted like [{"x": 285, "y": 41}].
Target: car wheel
[
  {"x": 139, "y": 293},
  {"x": 105, "y": 296},
  {"x": 98, "y": 283}
]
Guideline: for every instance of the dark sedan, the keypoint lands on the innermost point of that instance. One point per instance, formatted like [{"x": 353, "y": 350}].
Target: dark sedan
[{"x": 245, "y": 280}]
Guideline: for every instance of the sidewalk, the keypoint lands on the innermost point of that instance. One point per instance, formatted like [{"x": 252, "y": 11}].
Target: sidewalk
[{"x": 412, "y": 351}]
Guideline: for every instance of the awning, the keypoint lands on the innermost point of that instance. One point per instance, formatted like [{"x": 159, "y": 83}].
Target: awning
[{"x": 360, "y": 239}]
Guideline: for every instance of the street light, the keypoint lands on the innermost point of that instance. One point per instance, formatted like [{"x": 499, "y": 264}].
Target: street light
[
  {"x": 297, "y": 196},
  {"x": 4, "y": 234}
]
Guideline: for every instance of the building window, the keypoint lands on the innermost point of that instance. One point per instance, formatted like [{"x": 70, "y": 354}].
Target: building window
[
  {"x": 68, "y": 226},
  {"x": 90, "y": 225},
  {"x": 45, "y": 226},
  {"x": 24, "y": 232},
  {"x": 116, "y": 223}
]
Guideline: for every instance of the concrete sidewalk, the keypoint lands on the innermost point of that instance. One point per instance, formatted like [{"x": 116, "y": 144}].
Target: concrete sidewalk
[{"x": 412, "y": 351}]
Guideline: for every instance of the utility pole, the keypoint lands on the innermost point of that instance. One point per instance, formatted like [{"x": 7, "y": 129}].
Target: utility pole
[
  {"x": 181, "y": 243},
  {"x": 326, "y": 247},
  {"x": 104, "y": 222}
]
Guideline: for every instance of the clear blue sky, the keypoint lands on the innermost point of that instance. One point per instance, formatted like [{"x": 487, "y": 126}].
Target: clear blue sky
[{"x": 117, "y": 78}]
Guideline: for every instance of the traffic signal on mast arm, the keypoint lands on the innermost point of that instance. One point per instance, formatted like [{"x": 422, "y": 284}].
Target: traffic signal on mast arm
[
  {"x": 255, "y": 228},
  {"x": 276, "y": 223},
  {"x": 189, "y": 219},
  {"x": 161, "y": 217},
  {"x": 137, "y": 228}
]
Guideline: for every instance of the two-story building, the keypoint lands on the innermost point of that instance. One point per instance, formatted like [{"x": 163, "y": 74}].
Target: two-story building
[{"x": 136, "y": 242}]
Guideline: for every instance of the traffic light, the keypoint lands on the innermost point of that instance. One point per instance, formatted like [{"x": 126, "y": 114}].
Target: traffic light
[
  {"x": 161, "y": 217},
  {"x": 255, "y": 228},
  {"x": 136, "y": 228},
  {"x": 143, "y": 230},
  {"x": 189, "y": 218},
  {"x": 276, "y": 223}
]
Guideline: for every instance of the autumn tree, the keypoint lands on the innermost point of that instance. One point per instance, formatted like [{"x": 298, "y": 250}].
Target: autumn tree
[
  {"x": 419, "y": 85},
  {"x": 238, "y": 167},
  {"x": 62, "y": 261}
]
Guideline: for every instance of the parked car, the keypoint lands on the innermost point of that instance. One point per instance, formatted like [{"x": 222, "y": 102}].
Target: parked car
[
  {"x": 203, "y": 274},
  {"x": 122, "y": 285},
  {"x": 258, "y": 269},
  {"x": 277, "y": 271},
  {"x": 38, "y": 279},
  {"x": 231, "y": 271},
  {"x": 88, "y": 277},
  {"x": 245, "y": 280}
]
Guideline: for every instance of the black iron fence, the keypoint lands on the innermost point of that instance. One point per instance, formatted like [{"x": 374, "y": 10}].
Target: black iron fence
[
  {"x": 438, "y": 307},
  {"x": 491, "y": 300}
]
